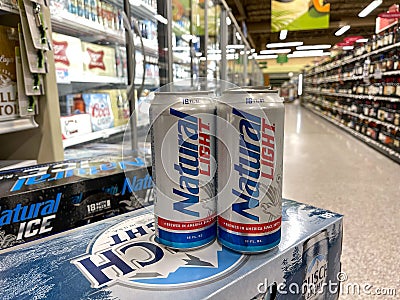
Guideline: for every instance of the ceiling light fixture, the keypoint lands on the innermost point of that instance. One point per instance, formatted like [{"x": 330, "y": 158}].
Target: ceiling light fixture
[
  {"x": 276, "y": 51},
  {"x": 135, "y": 2},
  {"x": 281, "y": 45},
  {"x": 372, "y": 6},
  {"x": 283, "y": 34},
  {"x": 258, "y": 57},
  {"x": 342, "y": 30},
  {"x": 362, "y": 41},
  {"x": 300, "y": 85},
  {"x": 311, "y": 53},
  {"x": 235, "y": 47},
  {"x": 214, "y": 51},
  {"x": 348, "y": 47},
  {"x": 161, "y": 19},
  {"x": 313, "y": 47}
]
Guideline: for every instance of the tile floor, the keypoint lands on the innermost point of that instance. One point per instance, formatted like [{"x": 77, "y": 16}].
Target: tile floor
[{"x": 328, "y": 168}]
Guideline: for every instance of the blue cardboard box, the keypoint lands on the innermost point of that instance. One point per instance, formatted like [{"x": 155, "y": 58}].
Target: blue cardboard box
[
  {"x": 118, "y": 258},
  {"x": 42, "y": 200}
]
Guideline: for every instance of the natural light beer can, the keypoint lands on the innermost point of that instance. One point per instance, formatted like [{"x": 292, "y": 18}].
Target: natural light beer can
[
  {"x": 183, "y": 151},
  {"x": 249, "y": 155}
]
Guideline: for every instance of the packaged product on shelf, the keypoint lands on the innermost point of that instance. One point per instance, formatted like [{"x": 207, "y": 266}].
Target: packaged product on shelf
[
  {"x": 73, "y": 6},
  {"x": 86, "y": 9},
  {"x": 100, "y": 19},
  {"x": 143, "y": 109},
  {"x": 67, "y": 58},
  {"x": 80, "y": 8},
  {"x": 118, "y": 259},
  {"x": 42, "y": 200},
  {"x": 121, "y": 62},
  {"x": 8, "y": 76},
  {"x": 93, "y": 10},
  {"x": 139, "y": 66},
  {"x": 119, "y": 106},
  {"x": 10, "y": 3},
  {"x": 57, "y": 6},
  {"x": 99, "y": 60},
  {"x": 75, "y": 125},
  {"x": 385, "y": 138},
  {"x": 98, "y": 106},
  {"x": 107, "y": 15}
]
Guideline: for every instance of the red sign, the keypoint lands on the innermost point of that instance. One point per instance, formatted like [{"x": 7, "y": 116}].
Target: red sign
[
  {"x": 383, "y": 23},
  {"x": 390, "y": 15},
  {"x": 343, "y": 44},
  {"x": 351, "y": 39}
]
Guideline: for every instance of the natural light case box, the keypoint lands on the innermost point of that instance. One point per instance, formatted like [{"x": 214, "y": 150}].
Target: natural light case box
[
  {"x": 46, "y": 199},
  {"x": 118, "y": 258}
]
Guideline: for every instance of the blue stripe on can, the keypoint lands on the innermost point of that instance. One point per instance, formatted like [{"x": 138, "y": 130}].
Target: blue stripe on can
[
  {"x": 187, "y": 240},
  {"x": 244, "y": 243}
]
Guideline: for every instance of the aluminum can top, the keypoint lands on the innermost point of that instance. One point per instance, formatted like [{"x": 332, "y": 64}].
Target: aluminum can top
[
  {"x": 173, "y": 97},
  {"x": 271, "y": 95}
]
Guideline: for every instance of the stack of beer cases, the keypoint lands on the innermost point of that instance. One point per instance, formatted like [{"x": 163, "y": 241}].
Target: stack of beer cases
[
  {"x": 42, "y": 200},
  {"x": 117, "y": 258}
]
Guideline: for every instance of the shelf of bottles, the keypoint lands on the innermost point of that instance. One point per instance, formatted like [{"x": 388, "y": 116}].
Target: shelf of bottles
[
  {"x": 359, "y": 90},
  {"x": 197, "y": 47},
  {"x": 91, "y": 64}
]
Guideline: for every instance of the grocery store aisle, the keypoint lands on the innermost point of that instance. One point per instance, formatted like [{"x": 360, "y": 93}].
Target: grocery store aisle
[{"x": 328, "y": 168}]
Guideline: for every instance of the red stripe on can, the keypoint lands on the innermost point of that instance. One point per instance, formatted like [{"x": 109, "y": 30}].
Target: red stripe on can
[
  {"x": 188, "y": 225},
  {"x": 250, "y": 228}
]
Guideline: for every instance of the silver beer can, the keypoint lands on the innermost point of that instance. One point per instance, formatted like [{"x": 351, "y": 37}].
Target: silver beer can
[
  {"x": 183, "y": 163},
  {"x": 315, "y": 262},
  {"x": 250, "y": 157}
]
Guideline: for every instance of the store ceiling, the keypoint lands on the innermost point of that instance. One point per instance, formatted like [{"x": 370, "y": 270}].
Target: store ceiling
[{"x": 257, "y": 16}]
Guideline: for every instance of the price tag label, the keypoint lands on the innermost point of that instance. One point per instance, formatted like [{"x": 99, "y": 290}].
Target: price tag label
[{"x": 62, "y": 76}]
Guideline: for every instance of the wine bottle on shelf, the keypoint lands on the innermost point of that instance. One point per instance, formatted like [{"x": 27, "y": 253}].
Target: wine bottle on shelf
[{"x": 397, "y": 34}]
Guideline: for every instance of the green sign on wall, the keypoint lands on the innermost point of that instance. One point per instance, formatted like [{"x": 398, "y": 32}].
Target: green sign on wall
[
  {"x": 299, "y": 15},
  {"x": 282, "y": 58}
]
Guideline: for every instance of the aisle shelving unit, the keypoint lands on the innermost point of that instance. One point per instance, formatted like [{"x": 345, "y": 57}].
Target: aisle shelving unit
[
  {"x": 369, "y": 141},
  {"x": 359, "y": 93},
  {"x": 97, "y": 135},
  {"x": 45, "y": 142},
  {"x": 87, "y": 30}
]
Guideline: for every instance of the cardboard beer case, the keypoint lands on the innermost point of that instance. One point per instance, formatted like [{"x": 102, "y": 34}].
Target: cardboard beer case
[
  {"x": 67, "y": 56},
  {"x": 119, "y": 105},
  {"x": 118, "y": 258},
  {"x": 75, "y": 125},
  {"x": 99, "y": 60},
  {"x": 98, "y": 106},
  {"x": 45, "y": 199}
]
